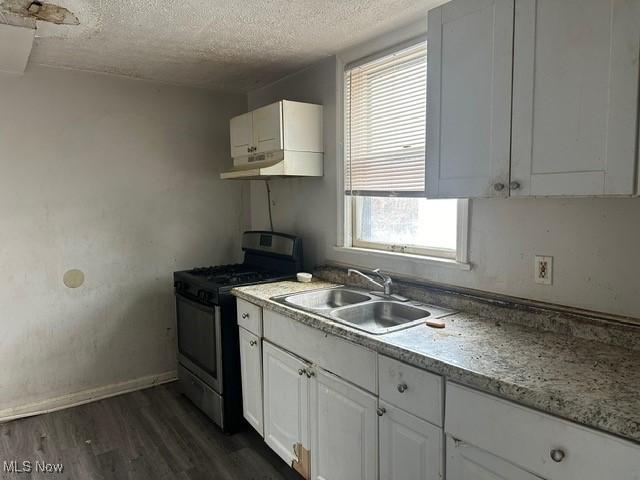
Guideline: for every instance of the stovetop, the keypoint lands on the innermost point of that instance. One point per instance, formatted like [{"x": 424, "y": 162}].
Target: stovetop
[
  {"x": 206, "y": 284},
  {"x": 232, "y": 275},
  {"x": 268, "y": 257}
]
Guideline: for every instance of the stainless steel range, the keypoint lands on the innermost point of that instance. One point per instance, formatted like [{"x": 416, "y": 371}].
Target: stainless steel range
[{"x": 208, "y": 346}]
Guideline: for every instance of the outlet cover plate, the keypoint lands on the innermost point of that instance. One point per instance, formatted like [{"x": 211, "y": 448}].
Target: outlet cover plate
[{"x": 543, "y": 270}]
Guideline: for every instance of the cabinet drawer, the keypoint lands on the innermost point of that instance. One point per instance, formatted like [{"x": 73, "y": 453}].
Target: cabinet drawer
[
  {"x": 352, "y": 362},
  {"x": 414, "y": 390},
  {"x": 527, "y": 438},
  {"x": 250, "y": 317}
]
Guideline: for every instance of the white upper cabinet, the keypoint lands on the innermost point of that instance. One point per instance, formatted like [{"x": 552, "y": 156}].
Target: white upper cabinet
[
  {"x": 470, "y": 45},
  {"x": 241, "y": 128},
  {"x": 284, "y": 125},
  {"x": 568, "y": 127},
  {"x": 575, "y": 97},
  {"x": 267, "y": 128}
]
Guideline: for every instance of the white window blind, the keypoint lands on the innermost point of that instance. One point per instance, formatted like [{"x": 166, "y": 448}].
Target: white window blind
[{"x": 385, "y": 109}]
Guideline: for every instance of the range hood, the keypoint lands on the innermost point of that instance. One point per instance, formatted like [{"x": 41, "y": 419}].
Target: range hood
[{"x": 281, "y": 163}]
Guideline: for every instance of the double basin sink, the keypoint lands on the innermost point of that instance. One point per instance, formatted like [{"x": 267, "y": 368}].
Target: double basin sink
[{"x": 367, "y": 311}]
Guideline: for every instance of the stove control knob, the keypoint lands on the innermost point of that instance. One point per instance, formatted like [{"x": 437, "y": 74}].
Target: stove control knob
[{"x": 178, "y": 285}]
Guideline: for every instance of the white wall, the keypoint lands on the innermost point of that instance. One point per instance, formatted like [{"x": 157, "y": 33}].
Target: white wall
[
  {"x": 304, "y": 206},
  {"x": 593, "y": 241},
  {"x": 117, "y": 178}
]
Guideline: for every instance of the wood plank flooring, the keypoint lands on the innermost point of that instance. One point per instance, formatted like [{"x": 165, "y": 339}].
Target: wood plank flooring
[{"x": 153, "y": 434}]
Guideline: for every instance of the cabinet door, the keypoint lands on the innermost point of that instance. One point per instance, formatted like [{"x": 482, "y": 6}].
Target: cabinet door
[
  {"x": 410, "y": 448},
  {"x": 267, "y": 128},
  {"x": 466, "y": 462},
  {"x": 286, "y": 402},
  {"x": 470, "y": 58},
  {"x": 241, "y": 132},
  {"x": 575, "y": 97},
  {"x": 344, "y": 430},
  {"x": 251, "y": 374}
]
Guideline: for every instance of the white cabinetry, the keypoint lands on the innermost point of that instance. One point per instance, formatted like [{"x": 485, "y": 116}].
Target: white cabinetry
[
  {"x": 268, "y": 128},
  {"x": 347, "y": 432},
  {"x": 410, "y": 448},
  {"x": 251, "y": 375},
  {"x": 344, "y": 430},
  {"x": 283, "y": 125},
  {"x": 575, "y": 97},
  {"x": 466, "y": 462},
  {"x": 469, "y": 98},
  {"x": 570, "y": 125},
  {"x": 249, "y": 317},
  {"x": 286, "y": 402},
  {"x": 547, "y": 446},
  {"x": 241, "y": 132}
]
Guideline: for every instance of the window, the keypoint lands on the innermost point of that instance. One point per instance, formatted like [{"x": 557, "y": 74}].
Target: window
[{"x": 384, "y": 177}]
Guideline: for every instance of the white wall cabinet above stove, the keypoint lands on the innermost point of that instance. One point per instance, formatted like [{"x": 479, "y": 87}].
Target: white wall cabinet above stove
[
  {"x": 281, "y": 139},
  {"x": 572, "y": 119}
]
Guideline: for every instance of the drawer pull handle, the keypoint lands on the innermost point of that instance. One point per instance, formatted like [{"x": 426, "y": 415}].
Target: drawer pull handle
[
  {"x": 402, "y": 387},
  {"x": 381, "y": 411},
  {"x": 253, "y": 343},
  {"x": 301, "y": 371},
  {"x": 557, "y": 455},
  {"x": 245, "y": 315}
]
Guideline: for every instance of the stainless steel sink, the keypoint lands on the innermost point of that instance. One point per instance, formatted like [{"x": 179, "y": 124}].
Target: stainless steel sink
[
  {"x": 381, "y": 316},
  {"x": 370, "y": 312},
  {"x": 326, "y": 299}
]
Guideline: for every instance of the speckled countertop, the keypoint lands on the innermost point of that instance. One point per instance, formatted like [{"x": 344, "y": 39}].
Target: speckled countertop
[{"x": 591, "y": 383}]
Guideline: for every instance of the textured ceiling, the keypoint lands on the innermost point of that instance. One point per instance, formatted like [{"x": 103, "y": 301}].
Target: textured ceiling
[{"x": 233, "y": 45}]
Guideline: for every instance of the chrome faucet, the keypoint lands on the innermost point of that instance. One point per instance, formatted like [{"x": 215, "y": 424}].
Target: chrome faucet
[{"x": 386, "y": 279}]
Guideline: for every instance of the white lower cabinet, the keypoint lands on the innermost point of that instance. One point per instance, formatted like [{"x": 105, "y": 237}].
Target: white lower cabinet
[
  {"x": 410, "y": 448},
  {"x": 251, "y": 374},
  {"x": 549, "y": 447},
  {"x": 286, "y": 402},
  {"x": 344, "y": 430},
  {"x": 466, "y": 462}
]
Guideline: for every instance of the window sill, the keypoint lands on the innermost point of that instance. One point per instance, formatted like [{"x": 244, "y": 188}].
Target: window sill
[{"x": 416, "y": 259}]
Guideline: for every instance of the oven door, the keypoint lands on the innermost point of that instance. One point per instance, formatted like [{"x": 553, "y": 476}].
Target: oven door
[{"x": 199, "y": 340}]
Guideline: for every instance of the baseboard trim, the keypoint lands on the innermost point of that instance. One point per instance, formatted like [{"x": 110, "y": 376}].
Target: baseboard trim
[{"x": 86, "y": 396}]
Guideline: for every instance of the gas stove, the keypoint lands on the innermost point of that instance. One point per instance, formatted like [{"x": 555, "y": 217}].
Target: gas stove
[
  {"x": 208, "y": 283},
  {"x": 208, "y": 337},
  {"x": 268, "y": 257}
]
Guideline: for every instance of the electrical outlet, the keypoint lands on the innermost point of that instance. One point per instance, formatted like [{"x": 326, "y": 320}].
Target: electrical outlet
[{"x": 543, "y": 272}]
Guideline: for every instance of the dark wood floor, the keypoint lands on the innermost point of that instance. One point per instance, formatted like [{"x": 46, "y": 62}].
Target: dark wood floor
[{"x": 151, "y": 434}]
